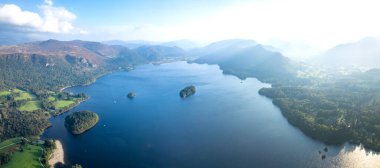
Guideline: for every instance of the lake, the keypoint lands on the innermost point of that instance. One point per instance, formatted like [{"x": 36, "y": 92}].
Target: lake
[{"x": 225, "y": 124}]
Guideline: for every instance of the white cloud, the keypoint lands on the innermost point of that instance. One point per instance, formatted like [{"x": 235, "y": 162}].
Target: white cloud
[
  {"x": 52, "y": 19},
  {"x": 13, "y": 14},
  {"x": 48, "y": 2}
]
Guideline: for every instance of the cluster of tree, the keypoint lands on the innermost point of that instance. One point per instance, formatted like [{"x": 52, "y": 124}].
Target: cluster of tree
[
  {"x": 344, "y": 109},
  {"x": 49, "y": 147},
  {"x": 5, "y": 157},
  {"x": 48, "y": 105},
  {"x": 14, "y": 123},
  {"x": 80, "y": 121},
  {"x": 23, "y": 124}
]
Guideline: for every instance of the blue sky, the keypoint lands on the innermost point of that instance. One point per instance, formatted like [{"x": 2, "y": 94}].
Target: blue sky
[
  {"x": 117, "y": 12},
  {"x": 91, "y": 13},
  {"x": 300, "y": 25}
]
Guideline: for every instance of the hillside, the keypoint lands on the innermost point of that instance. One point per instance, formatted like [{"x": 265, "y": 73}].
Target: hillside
[
  {"x": 155, "y": 52},
  {"x": 130, "y": 44},
  {"x": 248, "y": 59},
  {"x": 54, "y": 64},
  {"x": 184, "y": 44}
]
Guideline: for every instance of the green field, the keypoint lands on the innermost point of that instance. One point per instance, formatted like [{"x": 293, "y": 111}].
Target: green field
[
  {"x": 29, "y": 158},
  {"x": 4, "y": 93},
  {"x": 51, "y": 98},
  {"x": 24, "y": 96},
  {"x": 63, "y": 103},
  {"x": 29, "y": 102},
  {"x": 15, "y": 90},
  {"x": 30, "y": 106}
]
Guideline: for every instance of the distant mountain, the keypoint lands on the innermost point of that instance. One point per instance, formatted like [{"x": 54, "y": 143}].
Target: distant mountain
[
  {"x": 53, "y": 64},
  {"x": 295, "y": 50},
  {"x": 91, "y": 51},
  {"x": 245, "y": 58},
  {"x": 156, "y": 52},
  {"x": 231, "y": 43},
  {"x": 184, "y": 44},
  {"x": 130, "y": 44},
  {"x": 364, "y": 53}
]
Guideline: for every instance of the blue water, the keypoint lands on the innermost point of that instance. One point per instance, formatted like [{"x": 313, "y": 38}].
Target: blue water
[{"x": 225, "y": 124}]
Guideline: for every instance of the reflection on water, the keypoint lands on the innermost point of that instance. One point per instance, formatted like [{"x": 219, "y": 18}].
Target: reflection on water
[
  {"x": 225, "y": 124},
  {"x": 355, "y": 157}
]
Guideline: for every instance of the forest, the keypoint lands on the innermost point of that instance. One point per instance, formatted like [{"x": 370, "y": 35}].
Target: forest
[{"x": 335, "y": 110}]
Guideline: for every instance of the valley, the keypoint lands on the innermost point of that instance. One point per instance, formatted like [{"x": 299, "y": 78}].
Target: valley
[
  {"x": 330, "y": 107},
  {"x": 189, "y": 84}
]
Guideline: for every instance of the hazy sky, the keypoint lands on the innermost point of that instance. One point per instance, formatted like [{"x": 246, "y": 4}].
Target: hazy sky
[{"x": 318, "y": 23}]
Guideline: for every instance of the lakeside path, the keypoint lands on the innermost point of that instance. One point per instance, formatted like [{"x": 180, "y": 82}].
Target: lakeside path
[{"x": 58, "y": 154}]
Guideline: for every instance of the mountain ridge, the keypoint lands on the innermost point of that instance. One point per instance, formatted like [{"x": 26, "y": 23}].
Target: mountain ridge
[{"x": 363, "y": 53}]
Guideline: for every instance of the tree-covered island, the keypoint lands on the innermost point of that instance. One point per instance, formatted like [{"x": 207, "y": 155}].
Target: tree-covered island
[
  {"x": 131, "y": 95},
  {"x": 187, "y": 91},
  {"x": 81, "y": 121}
]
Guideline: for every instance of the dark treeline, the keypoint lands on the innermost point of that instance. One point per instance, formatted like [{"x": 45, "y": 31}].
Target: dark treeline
[
  {"x": 5, "y": 157},
  {"x": 25, "y": 124}
]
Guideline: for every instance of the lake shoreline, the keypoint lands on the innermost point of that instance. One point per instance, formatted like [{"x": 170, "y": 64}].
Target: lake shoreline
[
  {"x": 226, "y": 118},
  {"x": 58, "y": 155}
]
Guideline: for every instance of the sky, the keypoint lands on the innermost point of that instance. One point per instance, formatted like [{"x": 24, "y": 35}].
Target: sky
[{"x": 299, "y": 25}]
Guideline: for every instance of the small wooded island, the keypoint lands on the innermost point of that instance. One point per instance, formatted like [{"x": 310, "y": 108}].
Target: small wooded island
[
  {"x": 81, "y": 121},
  {"x": 131, "y": 95},
  {"x": 187, "y": 91}
]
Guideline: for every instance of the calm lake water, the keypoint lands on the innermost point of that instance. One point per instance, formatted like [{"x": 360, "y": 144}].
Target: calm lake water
[{"x": 226, "y": 124}]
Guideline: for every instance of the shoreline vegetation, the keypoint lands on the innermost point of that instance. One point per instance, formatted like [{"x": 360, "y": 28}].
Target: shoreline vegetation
[
  {"x": 58, "y": 154},
  {"x": 334, "y": 110}
]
